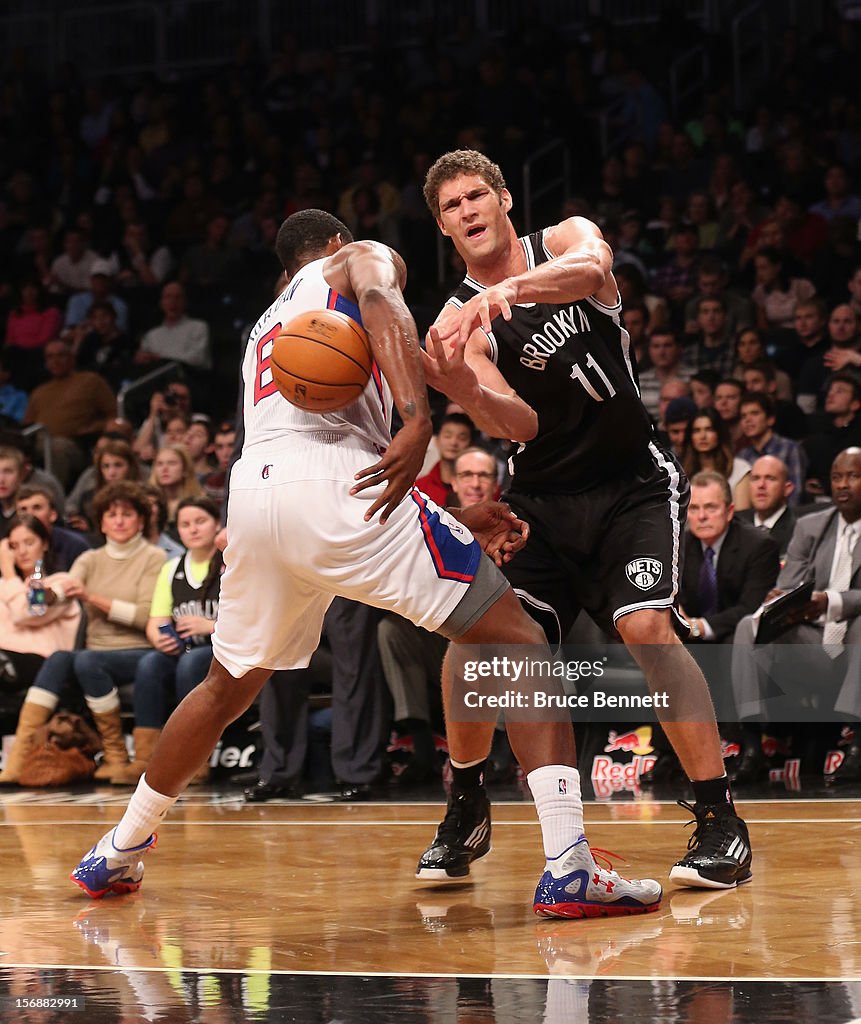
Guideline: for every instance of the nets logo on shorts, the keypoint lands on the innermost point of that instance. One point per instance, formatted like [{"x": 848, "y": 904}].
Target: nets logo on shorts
[{"x": 644, "y": 572}]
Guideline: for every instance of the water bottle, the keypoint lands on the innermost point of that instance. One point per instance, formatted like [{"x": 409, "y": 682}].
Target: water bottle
[{"x": 36, "y": 596}]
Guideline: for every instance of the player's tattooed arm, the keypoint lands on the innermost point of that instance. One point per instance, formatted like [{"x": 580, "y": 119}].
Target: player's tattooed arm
[{"x": 375, "y": 275}]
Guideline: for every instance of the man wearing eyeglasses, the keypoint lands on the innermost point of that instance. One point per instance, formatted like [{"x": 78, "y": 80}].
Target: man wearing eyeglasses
[{"x": 475, "y": 477}]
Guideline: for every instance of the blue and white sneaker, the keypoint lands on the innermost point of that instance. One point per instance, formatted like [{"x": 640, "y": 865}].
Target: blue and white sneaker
[
  {"x": 106, "y": 869},
  {"x": 575, "y": 885}
]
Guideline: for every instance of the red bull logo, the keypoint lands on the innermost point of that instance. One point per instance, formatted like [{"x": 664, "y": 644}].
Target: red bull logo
[
  {"x": 789, "y": 774},
  {"x": 638, "y": 741},
  {"x": 609, "y": 776},
  {"x": 729, "y": 749}
]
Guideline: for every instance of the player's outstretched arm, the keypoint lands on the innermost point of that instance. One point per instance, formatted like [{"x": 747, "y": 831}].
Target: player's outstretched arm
[
  {"x": 465, "y": 374},
  {"x": 375, "y": 275},
  {"x": 582, "y": 267}
]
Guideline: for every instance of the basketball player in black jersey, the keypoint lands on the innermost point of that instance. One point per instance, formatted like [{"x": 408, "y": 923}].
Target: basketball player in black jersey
[{"x": 532, "y": 346}]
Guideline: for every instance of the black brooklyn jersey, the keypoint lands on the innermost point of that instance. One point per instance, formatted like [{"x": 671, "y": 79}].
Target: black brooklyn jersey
[{"x": 572, "y": 363}]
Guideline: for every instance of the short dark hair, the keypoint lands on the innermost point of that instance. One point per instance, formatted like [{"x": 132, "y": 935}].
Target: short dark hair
[
  {"x": 731, "y": 381},
  {"x": 719, "y": 299},
  {"x": 460, "y": 161},
  {"x": 759, "y": 398},
  {"x": 846, "y": 377},
  {"x": 125, "y": 491},
  {"x": 462, "y": 420},
  {"x": 764, "y": 366},
  {"x": 31, "y": 490},
  {"x": 305, "y": 235},
  {"x": 711, "y": 378}
]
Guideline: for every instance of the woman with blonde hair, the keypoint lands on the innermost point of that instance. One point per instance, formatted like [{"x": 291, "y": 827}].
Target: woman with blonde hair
[{"x": 173, "y": 474}]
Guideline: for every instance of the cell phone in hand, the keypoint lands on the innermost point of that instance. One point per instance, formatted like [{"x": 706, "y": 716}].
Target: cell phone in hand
[{"x": 169, "y": 630}]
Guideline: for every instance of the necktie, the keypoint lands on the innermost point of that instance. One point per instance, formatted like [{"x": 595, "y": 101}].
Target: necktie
[
  {"x": 835, "y": 632},
  {"x": 708, "y": 584}
]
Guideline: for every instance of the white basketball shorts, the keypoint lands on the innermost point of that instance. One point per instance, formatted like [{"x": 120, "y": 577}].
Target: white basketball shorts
[{"x": 297, "y": 539}]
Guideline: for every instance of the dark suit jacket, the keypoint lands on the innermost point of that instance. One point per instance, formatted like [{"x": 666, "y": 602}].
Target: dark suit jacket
[
  {"x": 747, "y": 569},
  {"x": 782, "y": 529}
]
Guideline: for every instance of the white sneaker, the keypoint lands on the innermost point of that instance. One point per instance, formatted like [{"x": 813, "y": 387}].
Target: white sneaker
[{"x": 575, "y": 885}]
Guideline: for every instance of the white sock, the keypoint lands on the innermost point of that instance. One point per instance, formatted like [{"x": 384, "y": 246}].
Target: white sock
[
  {"x": 556, "y": 791},
  {"x": 145, "y": 812}
]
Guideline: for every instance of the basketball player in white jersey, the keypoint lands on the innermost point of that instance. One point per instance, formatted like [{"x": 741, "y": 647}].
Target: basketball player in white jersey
[{"x": 323, "y": 505}]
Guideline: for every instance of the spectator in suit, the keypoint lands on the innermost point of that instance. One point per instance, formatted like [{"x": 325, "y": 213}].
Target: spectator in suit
[
  {"x": 770, "y": 488},
  {"x": 728, "y": 569},
  {"x": 757, "y": 427},
  {"x": 728, "y": 566},
  {"x": 824, "y": 644}
]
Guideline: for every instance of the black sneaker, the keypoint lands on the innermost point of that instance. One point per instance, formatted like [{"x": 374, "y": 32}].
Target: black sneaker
[
  {"x": 462, "y": 837},
  {"x": 719, "y": 850}
]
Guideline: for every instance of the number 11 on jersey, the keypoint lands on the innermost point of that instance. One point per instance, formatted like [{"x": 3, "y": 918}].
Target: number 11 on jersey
[{"x": 578, "y": 374}]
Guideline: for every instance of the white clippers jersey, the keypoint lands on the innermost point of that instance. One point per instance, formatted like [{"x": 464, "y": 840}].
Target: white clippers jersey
[{"x": 268, "y": 418}]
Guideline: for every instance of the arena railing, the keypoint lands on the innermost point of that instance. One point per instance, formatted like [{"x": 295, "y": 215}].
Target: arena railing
[
  {"x": 47, "y": 454},
  {"x": 161, "y": 373}
]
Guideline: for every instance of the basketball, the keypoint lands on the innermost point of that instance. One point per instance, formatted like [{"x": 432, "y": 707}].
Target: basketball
[{"x": 321, "y": 360}]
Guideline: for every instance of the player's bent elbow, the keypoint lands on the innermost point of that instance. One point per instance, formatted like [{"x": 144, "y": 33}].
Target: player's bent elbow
[{"x": 526, "y": 430}]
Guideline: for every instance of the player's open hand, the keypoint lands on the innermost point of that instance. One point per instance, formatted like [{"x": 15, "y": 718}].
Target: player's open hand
[
  {"x": 398, "y": 468},
  {"x": 496, "y": 528},
  {"x": 448, "y": 371},
  {"x": 479, "y": 311}
]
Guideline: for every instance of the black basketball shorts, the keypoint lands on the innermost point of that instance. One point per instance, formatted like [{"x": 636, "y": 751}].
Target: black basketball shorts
[{"x": 610, "y": 550}]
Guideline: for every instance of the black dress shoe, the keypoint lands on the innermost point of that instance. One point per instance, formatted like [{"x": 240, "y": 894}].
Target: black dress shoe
[
  {"x": 665, "y": 769},
  {"x": 357, "y": 792},
  {"x": 263, "y": 791},
  {"x": 751, "y": 767},
  {"x": 849, "y": 770}
]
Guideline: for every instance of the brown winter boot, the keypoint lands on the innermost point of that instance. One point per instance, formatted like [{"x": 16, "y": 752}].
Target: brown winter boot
[
  {"x": 31, "y": 717},
  {"x": 116, "y": 756},
  {"x": 145, "y": 741}
]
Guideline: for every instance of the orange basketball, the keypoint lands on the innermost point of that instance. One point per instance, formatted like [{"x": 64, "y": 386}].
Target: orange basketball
[{"x": 321, "y": 360}]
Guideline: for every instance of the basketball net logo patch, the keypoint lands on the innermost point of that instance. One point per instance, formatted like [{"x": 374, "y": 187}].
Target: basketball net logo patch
[
  {"x": 644, "y": 572},
  {"x": 563, "y": 786}
]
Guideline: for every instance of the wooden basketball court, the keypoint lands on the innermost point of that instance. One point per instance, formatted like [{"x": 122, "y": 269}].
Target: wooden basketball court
[{"x": 261, "y": 896}]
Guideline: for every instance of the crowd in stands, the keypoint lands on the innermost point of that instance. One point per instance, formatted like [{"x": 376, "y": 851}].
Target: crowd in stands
[{"x": 137, "y": 227}]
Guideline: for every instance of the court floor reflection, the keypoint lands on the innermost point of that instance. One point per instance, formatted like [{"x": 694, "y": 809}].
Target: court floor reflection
[{"x": 129, "y": 996}]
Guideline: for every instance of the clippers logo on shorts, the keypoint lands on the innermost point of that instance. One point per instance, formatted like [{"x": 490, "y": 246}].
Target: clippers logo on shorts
[
  {"x": 563, "y": 786},
  {"x": 454, "y": 557},
  {"x": 264, "y": 473},
  {"x": 644, "y": 572}
]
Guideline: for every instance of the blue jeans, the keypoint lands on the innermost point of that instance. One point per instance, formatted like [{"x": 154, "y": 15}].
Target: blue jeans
[
  {"x": 163, "y": 680},
  {"x": 96, "y": 672}
]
